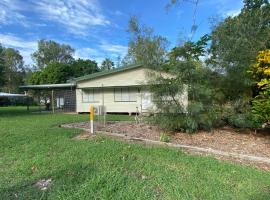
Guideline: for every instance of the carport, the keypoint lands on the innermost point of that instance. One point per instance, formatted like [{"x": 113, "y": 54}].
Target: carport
[{"x": 55, "y": 97}]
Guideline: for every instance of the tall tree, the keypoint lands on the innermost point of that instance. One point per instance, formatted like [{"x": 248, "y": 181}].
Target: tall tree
[
  {"x": 13, "y": 69},
  {"x": 1, "y": 67},
  {"x": 144, "y": 47},
  {"x": 235, "y": 43},
  {"x": 52, "y": 52},
  {"x": 83, "y": 67},
  {"x": 107, "y": 64}
]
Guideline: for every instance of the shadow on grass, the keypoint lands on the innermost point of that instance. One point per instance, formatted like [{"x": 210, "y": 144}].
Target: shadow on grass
[
  {"x": 69, "y": 179},
  {"x": 261, "y": 196},
  {"x": 12, "y": 111}
]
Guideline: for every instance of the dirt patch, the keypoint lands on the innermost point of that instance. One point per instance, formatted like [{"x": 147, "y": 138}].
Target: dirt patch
[
  {"x": 84, "y": 136},
  {"x": 226, "y": 139},
  {"x": 43, "y": 184},
  {"x": 229, "y": 140}
]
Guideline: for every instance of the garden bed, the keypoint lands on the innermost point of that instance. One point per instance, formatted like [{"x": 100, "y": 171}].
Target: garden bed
[{"x": 226, "y": 139}]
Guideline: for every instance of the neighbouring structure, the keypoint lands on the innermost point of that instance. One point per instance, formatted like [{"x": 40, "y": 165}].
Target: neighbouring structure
[{"x": 7, "y": 99}]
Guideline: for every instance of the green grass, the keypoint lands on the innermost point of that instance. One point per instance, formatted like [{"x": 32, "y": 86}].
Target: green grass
[{"x": 33, "y": 147}]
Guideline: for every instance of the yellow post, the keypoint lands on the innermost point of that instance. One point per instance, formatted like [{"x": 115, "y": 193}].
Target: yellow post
[{"x": 92, "y": 119}]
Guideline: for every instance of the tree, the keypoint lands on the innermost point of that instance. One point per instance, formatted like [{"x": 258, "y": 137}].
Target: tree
[
  {"x": 254, "y": 4},
  {"x": 144, "y": 47},
  {"x": 83, "y": 67},
  {"x": 1, "y": 67},
  {"x": 261, "y": 75},
  {"x": 54, "y": 73},
  {"x": 13, "y": 69},
  {"x": 235, "y": 43},
  {"x": 118, "y": 62},
  {"x": 52, "y": 52},
  {"x": 107, "y": 64},
  {"x": 189, "y": 77}
]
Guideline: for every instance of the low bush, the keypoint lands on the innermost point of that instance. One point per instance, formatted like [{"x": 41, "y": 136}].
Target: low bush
[
  {"x": 164, "y": 137},
  {"x": 241, "y": 120}
]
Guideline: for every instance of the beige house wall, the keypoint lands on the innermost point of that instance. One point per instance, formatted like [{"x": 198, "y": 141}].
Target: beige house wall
[
  {"x": 106, "y": 97},
  {"x": 104, "y": 94}
]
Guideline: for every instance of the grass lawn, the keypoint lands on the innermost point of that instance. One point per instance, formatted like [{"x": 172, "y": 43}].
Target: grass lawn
[{"x": 33, "y": 147}]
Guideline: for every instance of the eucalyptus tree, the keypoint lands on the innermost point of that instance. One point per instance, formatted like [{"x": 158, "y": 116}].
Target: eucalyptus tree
[{"x": 52, "y": 52}]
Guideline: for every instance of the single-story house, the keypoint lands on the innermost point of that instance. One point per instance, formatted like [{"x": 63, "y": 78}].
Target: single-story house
[{"x": 121, "y": 90}]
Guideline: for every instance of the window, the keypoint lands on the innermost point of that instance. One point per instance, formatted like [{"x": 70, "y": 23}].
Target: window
[
  {"x": 125, "y": 94},
  {"x": 89, "y": 95}
]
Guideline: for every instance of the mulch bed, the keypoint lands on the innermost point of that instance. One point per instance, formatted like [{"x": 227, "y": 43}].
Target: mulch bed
[{"x": 225, "y": 139}]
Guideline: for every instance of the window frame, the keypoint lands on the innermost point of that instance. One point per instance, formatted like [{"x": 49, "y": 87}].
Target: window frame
[
  {"x": 129, "y": 90},
  {"x": 89, "y": 91}
]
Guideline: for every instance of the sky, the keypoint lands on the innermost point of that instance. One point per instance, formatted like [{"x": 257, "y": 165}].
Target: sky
[{"x": 97, "y": 29}]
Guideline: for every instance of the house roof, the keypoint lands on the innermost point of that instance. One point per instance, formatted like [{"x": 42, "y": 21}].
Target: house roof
[
  {"x": 48, "y": 86},
  {"x": 107, "y": 72}
]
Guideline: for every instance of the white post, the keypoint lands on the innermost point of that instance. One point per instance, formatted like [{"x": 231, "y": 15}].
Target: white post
[
  {"x": 52, "y": 103},
  {"x": 92, "y": 126},
  {"x": 92, "y": 119}
]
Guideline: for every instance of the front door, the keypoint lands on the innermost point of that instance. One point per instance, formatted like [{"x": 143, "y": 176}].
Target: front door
[{"x": 146, "y": 101}]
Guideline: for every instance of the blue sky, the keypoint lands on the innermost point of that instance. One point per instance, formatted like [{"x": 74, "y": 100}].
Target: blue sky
[{"x": 97, "y": 28}]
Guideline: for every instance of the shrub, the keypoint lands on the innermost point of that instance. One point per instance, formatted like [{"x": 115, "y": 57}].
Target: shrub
[
  {"x": 241, "y": 120},
  {"x": 261, "y": 74},
  {"x": 164, "y": 137}
]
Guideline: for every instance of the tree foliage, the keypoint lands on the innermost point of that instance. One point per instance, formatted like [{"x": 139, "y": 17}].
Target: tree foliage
[
  {"x": 189, "y": 77},
  {"x": 53, "y": 73},
  {"x": 61, "y": 72},
  {"x": 82, "y": 67},
  {"x": 52, "y": 52},
  {"x": 107, "y": 64},
  {"x": 12, "y": 69},
  {"x": 144, "y": 47},
  {"x": 261, "y": 74},
  {"x": 1, "y": 66},
  {"x": 235, "y": 43}
]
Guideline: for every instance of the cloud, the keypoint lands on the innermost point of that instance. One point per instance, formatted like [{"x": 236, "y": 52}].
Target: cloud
[
  {"x": 99, "y": 53},
  {"x": 225, "y": 8},
  {"x": 89, "y": 53},
  {"x": 86, "y": 53},
  {"x": 78, "y": 16},
  {"x": 232, "y": 13},
  {"x": 10, "y": 13},
  {"x": 25, "y": 47},
  {"x": 102, "y": 51},
  {"x": 118, "y": 13},
  {"x": 114, "y": 48}
]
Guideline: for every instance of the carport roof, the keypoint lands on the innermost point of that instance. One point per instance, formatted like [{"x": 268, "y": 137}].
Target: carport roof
[{"x": 49, "y": 86}]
